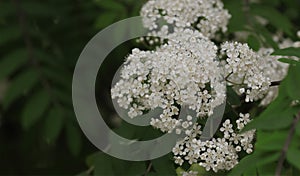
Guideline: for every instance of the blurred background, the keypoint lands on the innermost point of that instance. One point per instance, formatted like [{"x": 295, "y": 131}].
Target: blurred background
[{"x": 40, "y": 42}]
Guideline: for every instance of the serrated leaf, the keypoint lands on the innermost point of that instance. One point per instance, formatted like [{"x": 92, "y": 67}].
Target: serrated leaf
[
  {"x": 53, "y": 124},
  {"x": 253, "y": 42},
  {"x": 20, "y": 86},
  {"x": 35, "y": 108},
  {"x": 293, "y": 157},
  {"x": 8, "y": 34},
  {"x": 287, "y": 52},
  {"x": 73, "y": 139},
  {"x": 12, "y": 62}
]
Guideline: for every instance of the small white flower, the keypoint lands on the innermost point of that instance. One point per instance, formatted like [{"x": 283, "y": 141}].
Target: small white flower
[{"x": 208, "y": 16}]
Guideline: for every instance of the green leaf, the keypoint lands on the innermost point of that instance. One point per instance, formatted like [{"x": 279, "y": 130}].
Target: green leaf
[
  {"x": 90, "y": 160},
  {"x": 253, "y": 42},
  {"x": 53, "y": 124},
  {"x": 298, "y": 129},
  {"x": 257, "y": 159},
  {"x": 20, "y": 85},
  {"x": 9, "y": 34},
  {"x": 135, "y": 169},
  {"x": 274, "y": 122},
  {"x": 48, "y": 59},
  {"x": 238, "y": 20},
  {"x": 264, "y": 34},
  {"x": 196, "y": 167},
  {"x": 278, "y": 115},
  {"x": 103, "y": 165},
  {"x": 287, "y": 52},
  {"x": 293, "y": 157},
  {"x": 270, "y": 141},
  {"x": 288, "y": 61},
  {"x": 164, "y": 165},
  {"x": 35, "y": 108},
  {"x": 61, "y": 78},
  {"x": 73, "y": 139},
  {"x": 293, "y": 82},
  {"x": 12, "y": 62},
  {"x": 268, "y": 169},
  {"x": 179, "y": 171},
  {"x": 274, "y": 17}
]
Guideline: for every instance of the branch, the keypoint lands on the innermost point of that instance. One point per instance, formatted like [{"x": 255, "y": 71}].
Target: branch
[{"x": 286, "y": 145}]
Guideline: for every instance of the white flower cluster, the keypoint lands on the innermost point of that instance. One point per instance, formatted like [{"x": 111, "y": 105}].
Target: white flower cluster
[
  {"x": 183, "y": 72},
  {"x": 208, "y": 16},
  {"x": 218, "y": 153},
  {"x": 245, "y": 70}
]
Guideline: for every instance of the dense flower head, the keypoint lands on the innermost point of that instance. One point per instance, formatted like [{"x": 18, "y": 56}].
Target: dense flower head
[
  {"x": 208, "y": 16},
  {"x": 245, "y": 70},
  {"x": 218, "y": 153},
  {"x": 183, "y": 72}
]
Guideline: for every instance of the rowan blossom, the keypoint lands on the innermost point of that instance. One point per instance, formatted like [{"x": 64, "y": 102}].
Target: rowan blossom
[
  {"x": 207, "y": 16},
  {"x": 217, "y": 153},
  {"x": 244, "y": 70},
  {"x": 183, "y": 72}
]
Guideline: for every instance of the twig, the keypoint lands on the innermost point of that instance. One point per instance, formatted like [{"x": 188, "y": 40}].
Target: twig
[
  {"x": 275, "y": 83},
  {"x": 90, "y": 170},
  {"x": 286, "y": 145},
  {"x": 148, "y": 168}
]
